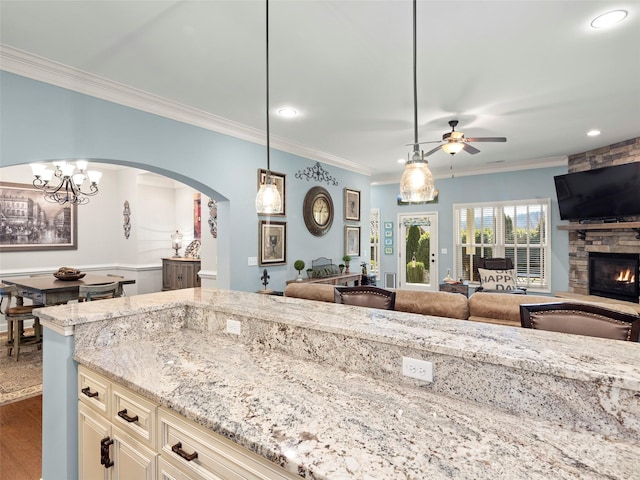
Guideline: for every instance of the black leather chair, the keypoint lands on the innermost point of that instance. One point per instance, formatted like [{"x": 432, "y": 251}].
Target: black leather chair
[
  {"x": 366, "y": 296},
  {"x": 581, "y": 319}
]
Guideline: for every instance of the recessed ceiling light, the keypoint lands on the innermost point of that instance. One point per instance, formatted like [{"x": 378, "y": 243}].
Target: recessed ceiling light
[
  {"x": 608, "y": 19},
  {"x": 287, "y": 112},
  {"x": 593, "y": 133}
]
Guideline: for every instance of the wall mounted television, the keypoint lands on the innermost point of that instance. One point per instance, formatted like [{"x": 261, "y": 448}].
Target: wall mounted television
[{"x": 602, "y": 193}]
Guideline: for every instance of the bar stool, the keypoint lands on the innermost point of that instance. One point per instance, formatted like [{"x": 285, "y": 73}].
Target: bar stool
[{"x": 15, "y": 317}]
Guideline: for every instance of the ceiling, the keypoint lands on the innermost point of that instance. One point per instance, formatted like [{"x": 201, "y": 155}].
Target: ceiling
[{"x": 532, "y": 71}]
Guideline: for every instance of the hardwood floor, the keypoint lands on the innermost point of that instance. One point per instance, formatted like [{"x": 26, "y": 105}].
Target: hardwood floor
[{"x": 21, "y": 440}]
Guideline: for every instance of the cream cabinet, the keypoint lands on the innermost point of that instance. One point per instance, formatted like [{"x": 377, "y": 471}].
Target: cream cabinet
[
  {"x": 180, "y": 273},
  {"x": 116, "y": 431},
  {"x": 124, "y": 436}
]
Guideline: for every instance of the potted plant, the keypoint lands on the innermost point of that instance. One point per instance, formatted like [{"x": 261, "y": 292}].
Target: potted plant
[
  {"x": 341, "y": 267},
  {"x": 346, "y": 259},
  {"x": 299, "y": 266},
  {"x": 309, "y": 272}
]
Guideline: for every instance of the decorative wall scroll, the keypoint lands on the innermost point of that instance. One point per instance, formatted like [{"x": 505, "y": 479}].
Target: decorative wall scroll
[
  {"x": 126, "y": 213},
  {"x": 29, "y": 222},
  {"x": 318, "y": 174},
  {"x": 213, "y": 217}
]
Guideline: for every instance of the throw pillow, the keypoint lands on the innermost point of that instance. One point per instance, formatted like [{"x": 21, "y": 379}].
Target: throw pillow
[{"x": 501, "y": 280}]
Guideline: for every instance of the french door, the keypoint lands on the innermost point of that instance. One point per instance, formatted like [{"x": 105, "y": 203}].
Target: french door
[{"x": 418, "y": 251}]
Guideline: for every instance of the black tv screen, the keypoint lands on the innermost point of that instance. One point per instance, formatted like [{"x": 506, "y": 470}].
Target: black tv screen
[{"x": 609, "y": 192}]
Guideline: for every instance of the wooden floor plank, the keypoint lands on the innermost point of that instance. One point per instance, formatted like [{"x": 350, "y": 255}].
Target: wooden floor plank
[{"x": 21, "y": 440}]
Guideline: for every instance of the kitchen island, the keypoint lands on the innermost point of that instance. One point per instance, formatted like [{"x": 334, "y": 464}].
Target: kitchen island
[{"x": 318, "y": 388}]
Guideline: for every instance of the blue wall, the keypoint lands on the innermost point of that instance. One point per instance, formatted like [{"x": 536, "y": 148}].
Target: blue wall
[
  {"x": 40, "y": 122},
  {"x": 527, "y": 184}
]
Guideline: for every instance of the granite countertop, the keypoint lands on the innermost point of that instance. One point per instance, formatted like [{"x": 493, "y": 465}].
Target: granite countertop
[{"x": 322, "y": 417}]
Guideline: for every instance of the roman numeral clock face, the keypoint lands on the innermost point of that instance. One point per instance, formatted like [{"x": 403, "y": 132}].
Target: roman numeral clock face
[{"x": 317, "y": 211}]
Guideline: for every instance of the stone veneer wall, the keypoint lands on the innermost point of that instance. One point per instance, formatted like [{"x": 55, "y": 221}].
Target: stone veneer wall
[{"x": 613, "y": 241}]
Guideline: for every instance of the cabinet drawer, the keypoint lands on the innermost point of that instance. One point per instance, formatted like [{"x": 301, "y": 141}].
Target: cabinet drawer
[
  {"x": 94, "y": 390},
  {"x": 168, "y": 471},
  {"x": 217, "y": 458},
  {"x": 134, "y": 414}
]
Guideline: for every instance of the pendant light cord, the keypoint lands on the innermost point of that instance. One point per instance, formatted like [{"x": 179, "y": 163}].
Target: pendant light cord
[
  {"x": 415, "y": 82},
  {"x": 268, "y": 144}
]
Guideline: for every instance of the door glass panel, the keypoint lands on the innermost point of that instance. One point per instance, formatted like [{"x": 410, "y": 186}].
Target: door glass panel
[{"x": 418, "y": 256}]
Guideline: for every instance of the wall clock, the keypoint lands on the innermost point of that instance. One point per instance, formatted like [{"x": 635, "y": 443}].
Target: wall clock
[{"x": 317, "y": 211}]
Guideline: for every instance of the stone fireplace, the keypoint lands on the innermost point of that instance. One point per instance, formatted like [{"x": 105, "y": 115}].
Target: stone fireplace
[
  {"x": 614, "y": 275},
  {"x": 604, "y": 240}
]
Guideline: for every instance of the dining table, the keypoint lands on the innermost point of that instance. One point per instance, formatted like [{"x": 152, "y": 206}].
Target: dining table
[{"x": 49, "y": 290}]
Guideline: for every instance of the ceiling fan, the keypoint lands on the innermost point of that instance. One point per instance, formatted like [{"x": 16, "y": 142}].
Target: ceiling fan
[{"x": 455, "y": 141}]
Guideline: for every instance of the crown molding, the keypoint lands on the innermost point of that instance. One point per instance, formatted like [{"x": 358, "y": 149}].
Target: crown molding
[{"x": 48, "y": 71}]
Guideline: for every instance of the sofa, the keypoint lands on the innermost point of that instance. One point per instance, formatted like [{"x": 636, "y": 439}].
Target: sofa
[{"x": 487, "y": 307}]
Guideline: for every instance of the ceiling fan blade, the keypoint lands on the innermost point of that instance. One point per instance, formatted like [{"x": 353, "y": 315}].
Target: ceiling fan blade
[
  {"x": 469, "y": 149},
  {"x": 420, "y": 143},
  {"x": 433, "y": 150},
  {"x": 486, "y": 139}
]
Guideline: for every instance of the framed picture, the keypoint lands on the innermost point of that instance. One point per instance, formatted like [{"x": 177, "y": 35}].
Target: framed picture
[
  {"x": 273, "y": 243},
  {"x": 352, "y": 205},
  {"x": 388, "y": 250},
  {"x": 388, "y": 225},
  {"x": 352, "y": 241},
  {"x": 388, "y": 233},
  {"x": 29, "y": 222},
  {"x": 279, "y": 180},
  {"x": 388, "y": 241}
]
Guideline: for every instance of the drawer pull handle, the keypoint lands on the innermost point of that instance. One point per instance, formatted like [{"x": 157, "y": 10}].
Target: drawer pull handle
[
  {"x": 177, "y": 448},
  {"x": 123, "y": 414},
  {"x": 87, "y": 392},
  {"x": 105, "y": 443}
]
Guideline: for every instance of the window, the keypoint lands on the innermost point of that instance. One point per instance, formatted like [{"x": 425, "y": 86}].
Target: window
[
  {"x": 374, "y": 234},
  {"x": 516, "y": 229}
]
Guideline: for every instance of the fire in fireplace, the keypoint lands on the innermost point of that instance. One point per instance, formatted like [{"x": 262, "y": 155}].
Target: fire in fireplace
[{"x": 614, "y": 275}]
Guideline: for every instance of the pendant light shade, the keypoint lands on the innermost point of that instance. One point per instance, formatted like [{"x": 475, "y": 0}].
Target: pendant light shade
[
  {"x": 268, "y": 200},
  {"x": 453, "y": 147},
  {"x": 416, "y": 184}
]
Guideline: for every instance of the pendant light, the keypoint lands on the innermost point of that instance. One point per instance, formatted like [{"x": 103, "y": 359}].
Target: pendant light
[
  {"x": 416, "y": 184},
  {"x": 268, "y": 200}
]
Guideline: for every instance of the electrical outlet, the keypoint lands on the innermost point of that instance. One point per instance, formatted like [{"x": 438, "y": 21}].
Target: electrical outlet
[
  {"x": 419, "y": 369},
  {"x": 234, "y": 326}
]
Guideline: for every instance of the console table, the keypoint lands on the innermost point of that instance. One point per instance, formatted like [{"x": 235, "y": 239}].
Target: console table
[{"x": 334, "y": 279}]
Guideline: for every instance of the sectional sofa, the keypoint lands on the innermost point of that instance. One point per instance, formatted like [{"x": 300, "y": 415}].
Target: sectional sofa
[{"x": 488, "y": 307}]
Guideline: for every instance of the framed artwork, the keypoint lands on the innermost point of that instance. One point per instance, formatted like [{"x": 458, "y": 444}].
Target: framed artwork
[
  {"x": 351, "y": 205},
  {"x": 388, "y": 250},
  {"x": 388, "y": 233},
  {"x": 273, "y": 243},
  {"x": 29, "y": 222},
  {"x": 352, "y": 241},
  {"x": 388, "y": 225},
  {"x": 279, "y": 180},
  {"x": 388, "y": 241}
]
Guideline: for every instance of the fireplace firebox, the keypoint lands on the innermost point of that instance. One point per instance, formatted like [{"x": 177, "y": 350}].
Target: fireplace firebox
[{"x": 614, "y": 275}]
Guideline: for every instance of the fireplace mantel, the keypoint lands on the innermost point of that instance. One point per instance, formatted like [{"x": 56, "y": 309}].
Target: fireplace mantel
[{"x": 582, "y": 228}]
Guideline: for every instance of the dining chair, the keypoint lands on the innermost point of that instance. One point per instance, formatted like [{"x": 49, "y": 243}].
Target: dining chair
[
  {"x": 365, "y": 296},
  {"x": 506, "y": 266},
  {"x": 15, "y": 317},
  {"x": 121, "y": 292},
  {"x": 88, "y": 293},
  {"x": 581, "y": 319}
]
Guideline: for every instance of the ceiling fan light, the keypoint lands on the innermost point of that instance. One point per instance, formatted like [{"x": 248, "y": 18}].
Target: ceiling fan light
[
  {"x": 453, "y": 147},
  {"x": 417, "y": 184}
]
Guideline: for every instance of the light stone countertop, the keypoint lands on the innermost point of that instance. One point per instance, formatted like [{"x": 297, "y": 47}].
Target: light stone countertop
[{"x": 318, "y": 411}]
